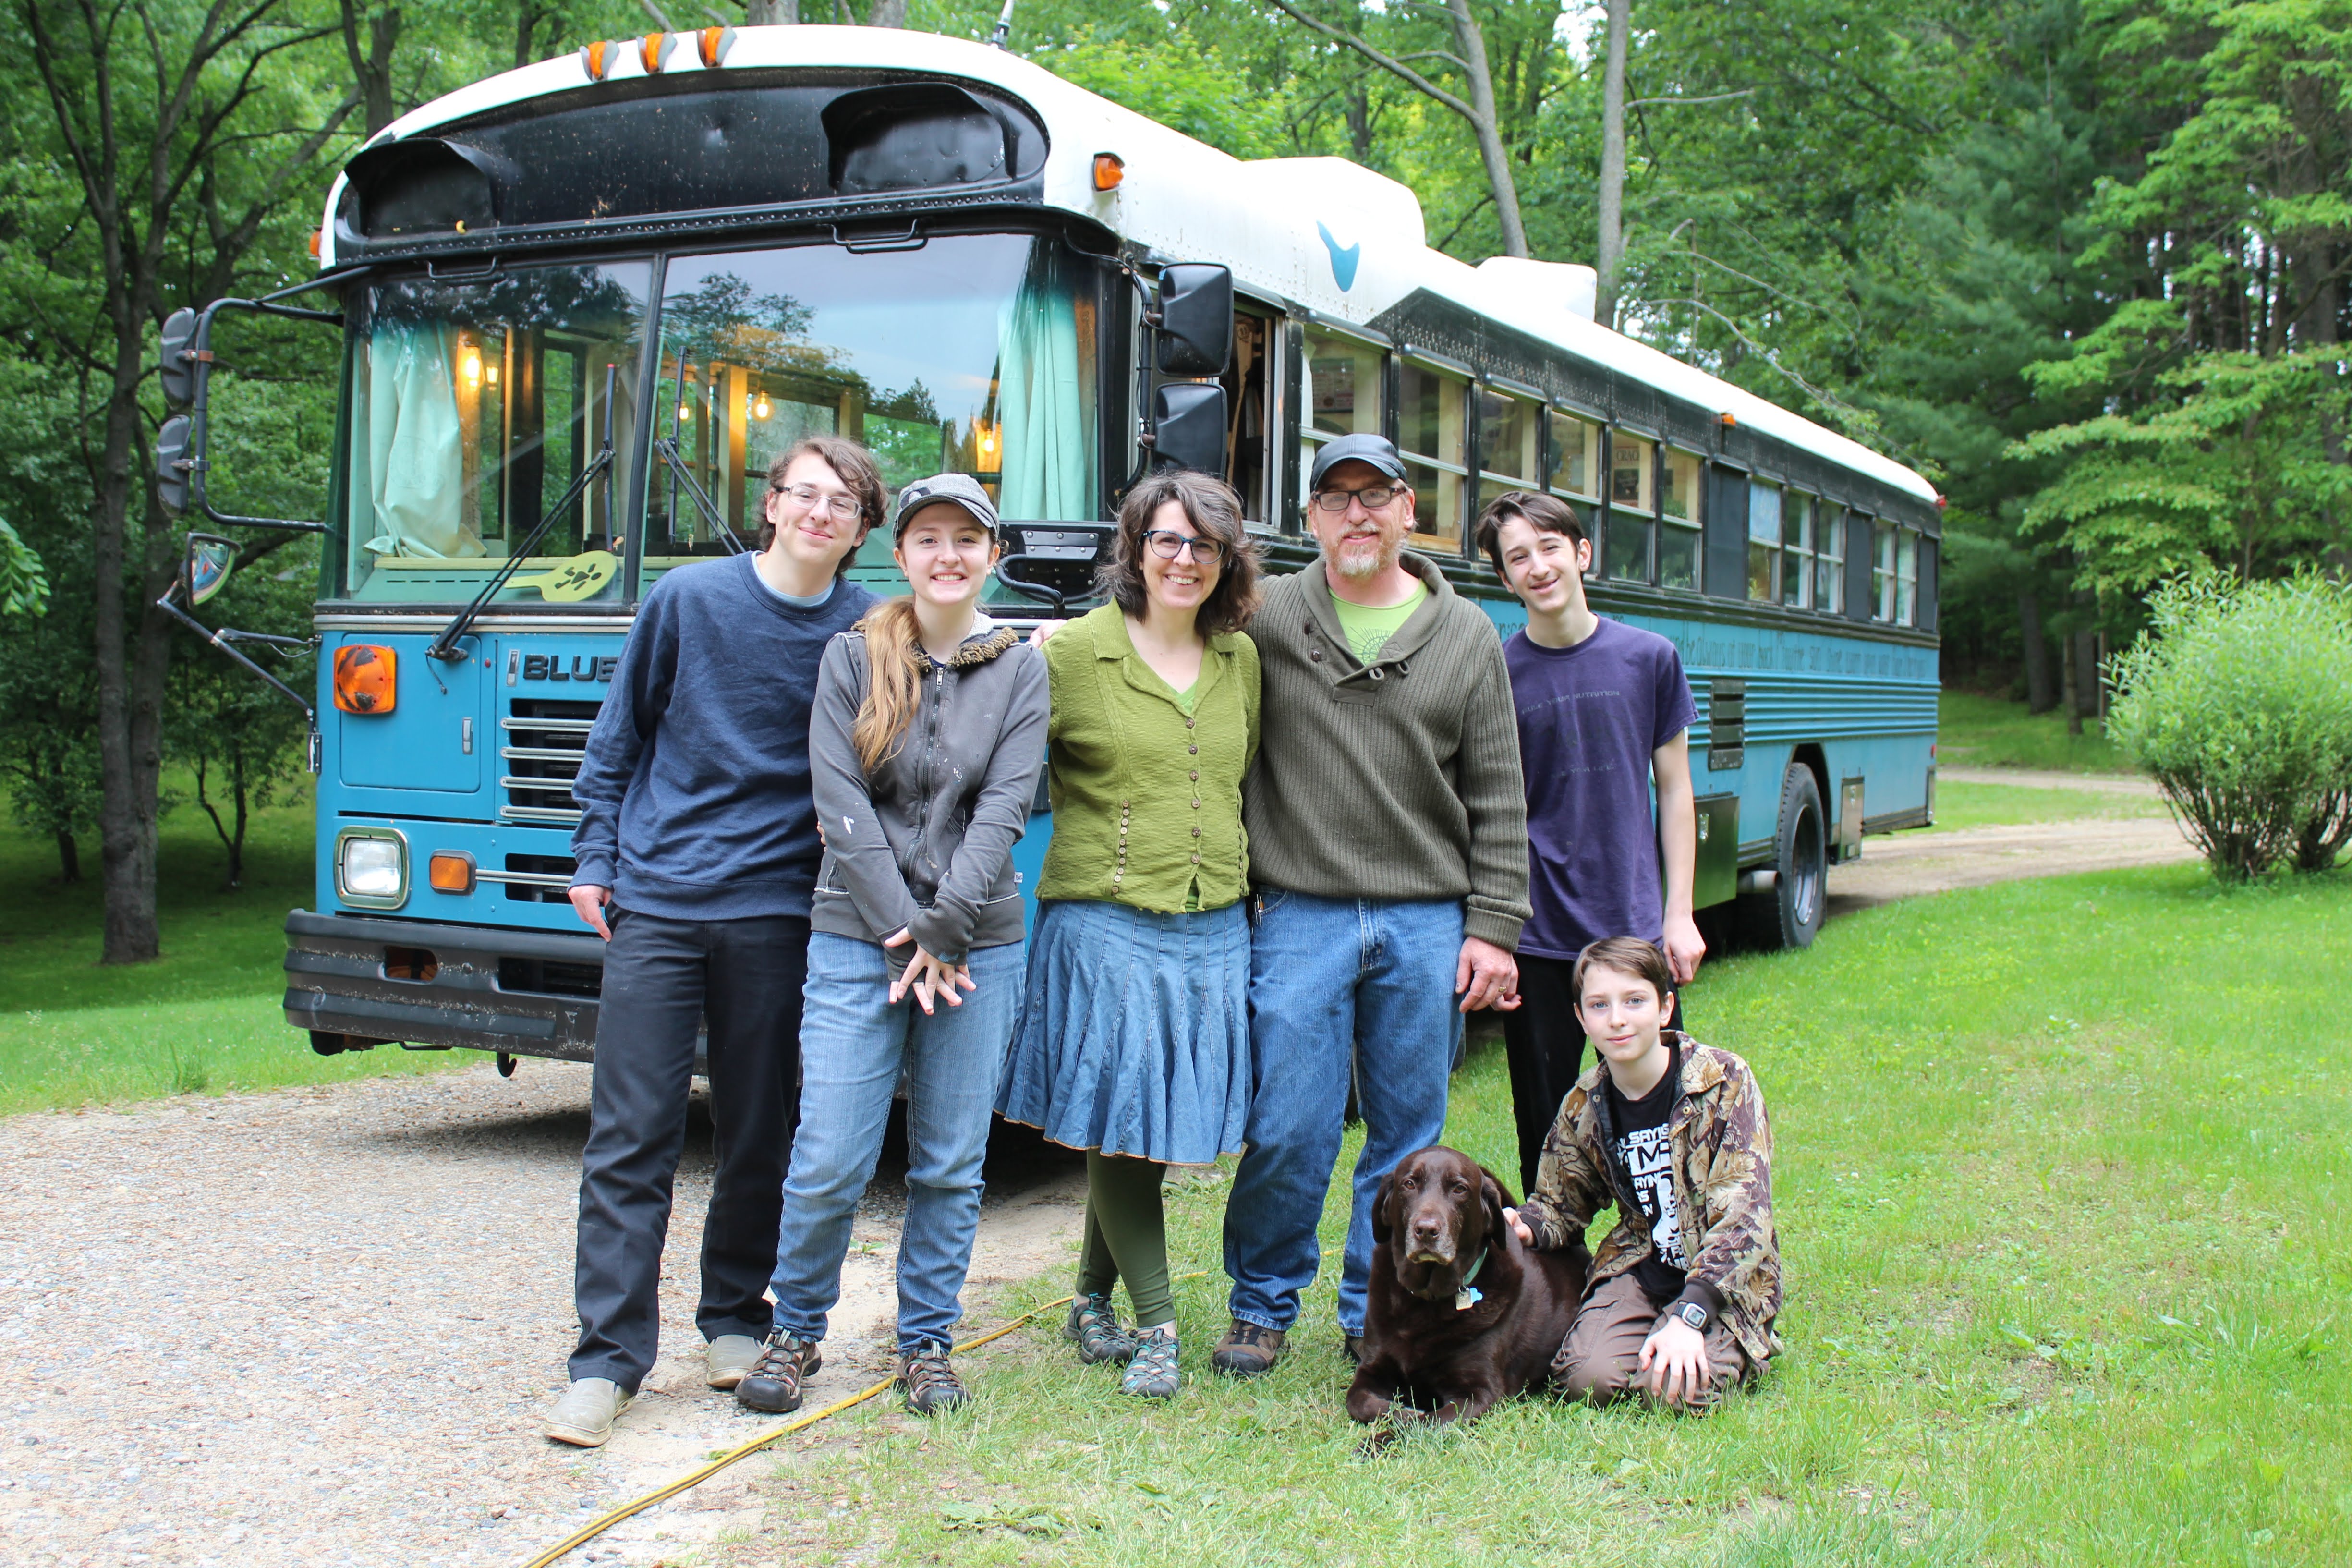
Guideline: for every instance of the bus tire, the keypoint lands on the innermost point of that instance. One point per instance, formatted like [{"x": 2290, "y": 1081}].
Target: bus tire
[{"x": 1789, "y": 913}]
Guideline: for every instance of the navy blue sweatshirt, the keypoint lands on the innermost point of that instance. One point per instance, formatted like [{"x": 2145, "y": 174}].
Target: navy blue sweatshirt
[{"x": 694, "y": 791}]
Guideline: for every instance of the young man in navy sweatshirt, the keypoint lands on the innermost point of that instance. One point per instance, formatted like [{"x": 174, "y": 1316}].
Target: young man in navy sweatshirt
[{"x": 697, "y": 852}]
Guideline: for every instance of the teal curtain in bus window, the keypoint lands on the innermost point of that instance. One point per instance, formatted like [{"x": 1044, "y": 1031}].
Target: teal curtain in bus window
[
  {"x": 410, "y": 482},
  {"x": 1044, "y": 398}
]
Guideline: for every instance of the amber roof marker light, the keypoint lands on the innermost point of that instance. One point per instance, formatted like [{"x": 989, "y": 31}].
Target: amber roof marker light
[
  {"x": 1109, "y": 170},
  {"x": 712, "y": 43}
]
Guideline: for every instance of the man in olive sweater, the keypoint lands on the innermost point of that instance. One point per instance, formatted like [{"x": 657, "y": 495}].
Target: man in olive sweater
[{"x": 1388, "y": 852}]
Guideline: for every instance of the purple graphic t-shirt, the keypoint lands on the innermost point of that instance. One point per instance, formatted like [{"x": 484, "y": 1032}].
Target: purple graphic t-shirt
[{"x": 1590, "y": 716}]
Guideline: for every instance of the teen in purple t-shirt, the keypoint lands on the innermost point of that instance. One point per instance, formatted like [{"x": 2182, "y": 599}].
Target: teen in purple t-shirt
[{"x": 1603, "y": 710}]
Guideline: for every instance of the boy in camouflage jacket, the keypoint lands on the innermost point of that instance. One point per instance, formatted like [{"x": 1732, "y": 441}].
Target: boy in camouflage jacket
[{"x": 1684, "y": 1291}]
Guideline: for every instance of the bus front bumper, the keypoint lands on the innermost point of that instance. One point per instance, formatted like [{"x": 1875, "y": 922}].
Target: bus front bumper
[{"x": 356, "y": 982}]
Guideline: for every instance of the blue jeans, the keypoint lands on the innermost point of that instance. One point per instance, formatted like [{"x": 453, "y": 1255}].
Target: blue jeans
[
  {"x": 1335, "y": 984},
  {"x": 854, "y": 1045}
]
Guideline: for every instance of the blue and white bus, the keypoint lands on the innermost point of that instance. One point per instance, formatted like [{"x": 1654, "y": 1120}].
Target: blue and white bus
[{"x": 585, "y": 302}]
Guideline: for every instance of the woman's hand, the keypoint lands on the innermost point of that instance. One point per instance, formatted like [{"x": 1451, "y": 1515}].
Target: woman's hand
[
  {"x": 1676, "y": 1359},
  {"x": 1518, "y": 1227},
  {"x": 929, "y": 976}
]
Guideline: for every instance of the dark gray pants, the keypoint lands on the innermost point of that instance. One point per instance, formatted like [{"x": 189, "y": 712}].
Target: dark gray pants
[{"x": 661, "y": 978}]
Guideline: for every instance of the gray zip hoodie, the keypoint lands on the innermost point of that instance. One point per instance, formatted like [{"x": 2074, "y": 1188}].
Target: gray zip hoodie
[{"x": 925, "y": 841}]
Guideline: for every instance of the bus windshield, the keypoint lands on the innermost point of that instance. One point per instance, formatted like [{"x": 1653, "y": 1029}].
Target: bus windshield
[{"x": 975, "y": 353}]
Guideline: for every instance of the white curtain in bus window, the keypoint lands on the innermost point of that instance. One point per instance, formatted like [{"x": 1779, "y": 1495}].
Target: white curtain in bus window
[
  {"x": 1829, "y": 562},
  {"x": 1508, "y": 430},
  {"x": 1342, "y": 395},
  {"x": 1797, "y": 549},
  {"x": 1575, "y": 457},
  {"x": 973, "y": 354},
  {"x": 1432, "y": 434},
  {"x": 1906, "y": 577},
  {"x": 1763, "y": 541},
  {"x": 1882, "y": 573},
  {"x": 474, "y": 408}
]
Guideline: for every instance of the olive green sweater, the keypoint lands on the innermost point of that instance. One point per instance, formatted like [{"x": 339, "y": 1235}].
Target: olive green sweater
[
  {"x": 1394, "y": 780},
  {"x": 1146, "y": 796}
]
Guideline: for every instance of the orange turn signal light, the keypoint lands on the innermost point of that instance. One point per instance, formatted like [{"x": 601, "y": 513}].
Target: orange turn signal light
[
  {"x": 597, "y": 58},
  {"x": 316, "y": 235},
  {"x": 1109, "y": 170},
  {"x": 366, "y": 677},
  {"x": 712, "y": 43},
  {"x": 450, "y": 871},
  {"x": 653, "y": 51}
]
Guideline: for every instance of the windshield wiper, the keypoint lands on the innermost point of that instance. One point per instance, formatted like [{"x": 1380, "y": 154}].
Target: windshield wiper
[{"x": 445, "y": 647}]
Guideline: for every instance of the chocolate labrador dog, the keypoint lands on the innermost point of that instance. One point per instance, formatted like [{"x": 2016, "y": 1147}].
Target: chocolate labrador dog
[{"x": 1462, "y": 1313}]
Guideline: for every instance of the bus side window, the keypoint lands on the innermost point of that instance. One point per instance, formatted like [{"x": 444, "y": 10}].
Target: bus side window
[{"x": 1249, "y": 437}]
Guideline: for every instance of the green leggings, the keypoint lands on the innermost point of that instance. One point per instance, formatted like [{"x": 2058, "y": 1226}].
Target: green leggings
[{"x": 1127, "y": 1236}]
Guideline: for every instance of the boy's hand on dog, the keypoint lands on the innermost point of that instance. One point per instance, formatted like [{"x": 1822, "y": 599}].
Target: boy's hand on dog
[
  {"x": 1676, "y": 1359},
  {"x": 1511, "y": 1218}
]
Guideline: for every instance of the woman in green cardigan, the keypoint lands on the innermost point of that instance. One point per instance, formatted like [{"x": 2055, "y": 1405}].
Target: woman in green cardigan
[{"x": 1134, "y": 1040}]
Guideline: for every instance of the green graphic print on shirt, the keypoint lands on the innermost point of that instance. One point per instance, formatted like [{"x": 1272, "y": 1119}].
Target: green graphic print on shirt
[{"x": 1368, "y": 626}]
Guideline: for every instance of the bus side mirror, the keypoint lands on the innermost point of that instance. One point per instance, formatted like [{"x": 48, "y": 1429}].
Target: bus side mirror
[
  {"x": 210, "y": 560},
  {"x": 172, "y": 464},
  {"x": 1193, "y": 323},
  {"x": 1187, "y": 427},
  {"x": 176, "y": 370}
]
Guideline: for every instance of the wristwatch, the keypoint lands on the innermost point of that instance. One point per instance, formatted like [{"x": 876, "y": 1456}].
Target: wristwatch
[{"x": 1693, "y": 1314}]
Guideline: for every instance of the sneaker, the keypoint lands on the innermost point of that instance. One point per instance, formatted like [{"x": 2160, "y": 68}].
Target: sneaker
[
  {"x": 1352, "y": 1347},
  {"x": 773, "y": 1384},
  {"x": 931, "y": 1384},
  {"x": 728, "y": 1358},
  {"x": 1247, "y": 1349},
  {"x": 583, "y": 1417},
  {"x": 1153, "y": 1374},
  {"x": 1096, "y": 1329}
]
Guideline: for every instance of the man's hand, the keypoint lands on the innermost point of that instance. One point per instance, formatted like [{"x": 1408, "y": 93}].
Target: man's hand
[
  {"x": 1486, "y": 976},
  {"x": 929, "y": 977},
  {"x": 1518, "y": 1226},
  {"x": 1685, "y": 947},
  {"x": 589, "y": 902},
  {"x": 1676, "y": 1359}
]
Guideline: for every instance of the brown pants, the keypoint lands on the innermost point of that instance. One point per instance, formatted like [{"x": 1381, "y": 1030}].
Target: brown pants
[{"x": 1600, "y": 1362}]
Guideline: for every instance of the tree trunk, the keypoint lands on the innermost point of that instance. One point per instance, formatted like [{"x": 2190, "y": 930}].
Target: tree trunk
[
  {"x": 1359, "y": 104},
  {"x": 770, "y": 13},
  {"x": 372, "y": 66},
  {"x": 129, "y": 672},
  {"x": 888, "y": 14},
  {"x": 1610, "y": 253},
  {"x": 68, "y": 858},
  {"x": 1489, "y": 126},
  {"x": 236, "y": 841},
  {"x": 2086, "y": 678},
  {"x": 2038, "y": 699},
  {"x": 2070, "y": 699}
]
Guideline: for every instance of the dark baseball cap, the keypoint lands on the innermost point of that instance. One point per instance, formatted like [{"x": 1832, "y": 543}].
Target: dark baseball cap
[
  {"x": 1376, "y": 450},
  {"x": 957, "y": 489}
]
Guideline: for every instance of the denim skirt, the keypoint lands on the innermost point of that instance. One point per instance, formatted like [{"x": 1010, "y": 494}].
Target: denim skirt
[{"x": 1134, "y": 1034}]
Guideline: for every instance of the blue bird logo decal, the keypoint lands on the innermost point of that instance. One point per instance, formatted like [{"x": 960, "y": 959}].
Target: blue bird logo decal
[{"x": 1343, "y": 262}]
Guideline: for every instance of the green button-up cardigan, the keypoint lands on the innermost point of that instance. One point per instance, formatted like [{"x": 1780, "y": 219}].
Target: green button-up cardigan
[{"x": 1146, "y": 796}]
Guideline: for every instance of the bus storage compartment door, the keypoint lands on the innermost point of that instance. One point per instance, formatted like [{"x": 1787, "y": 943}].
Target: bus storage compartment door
[
  {"x": 424, "y": 740},
  {"x": 1849, "y": 821},
  {"x": 1715, "y": 878}
]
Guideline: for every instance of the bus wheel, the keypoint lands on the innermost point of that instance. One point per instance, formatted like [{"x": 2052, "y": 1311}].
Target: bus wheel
[{"x": 1788, "y": 913}]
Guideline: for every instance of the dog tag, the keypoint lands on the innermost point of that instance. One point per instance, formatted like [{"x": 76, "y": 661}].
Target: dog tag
[{"x": 1467, "y": 1297}]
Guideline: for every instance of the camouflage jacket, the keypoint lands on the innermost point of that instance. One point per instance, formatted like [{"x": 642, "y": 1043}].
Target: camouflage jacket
[{"x": 1722, "y": 1147}]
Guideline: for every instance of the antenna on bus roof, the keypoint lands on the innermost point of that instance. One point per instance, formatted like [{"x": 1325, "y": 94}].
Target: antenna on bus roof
[{"x": 1003, "y": 30}]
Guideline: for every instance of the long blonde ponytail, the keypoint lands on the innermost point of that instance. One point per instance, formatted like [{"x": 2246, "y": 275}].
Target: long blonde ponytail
[{"x": 895, "y": 663}]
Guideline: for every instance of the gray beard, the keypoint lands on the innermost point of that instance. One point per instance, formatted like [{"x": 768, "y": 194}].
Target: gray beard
[{"x": 1383, "y": 558}]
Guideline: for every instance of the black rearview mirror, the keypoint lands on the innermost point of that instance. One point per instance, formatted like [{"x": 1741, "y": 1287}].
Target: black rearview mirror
[
  {"x": 1187, "y": 427},
  {"x": 177, "y": 371},
  {"x": 1194, "y": 319},
  {"x": 172, "y": 463},
  {"x": 210, "y": 560}
]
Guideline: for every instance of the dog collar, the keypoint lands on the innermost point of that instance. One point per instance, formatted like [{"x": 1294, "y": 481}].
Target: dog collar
[{"x": 1466, "y": 1298}]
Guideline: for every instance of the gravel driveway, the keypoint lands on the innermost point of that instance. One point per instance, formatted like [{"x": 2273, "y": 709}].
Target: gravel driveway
[{"x": 319, "y": 1327}]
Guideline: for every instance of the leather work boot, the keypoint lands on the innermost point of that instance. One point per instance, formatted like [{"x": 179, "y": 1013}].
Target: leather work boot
[
  {"x": 1094, "y": 1329},
  {"x": 931, "y": 1383},
  {"x": 773, "y": 1384},
  {"x": 583, "y": 1417},
  {"x": 1247, "y": 1349},
  {"x": 727, "y": 1358}
]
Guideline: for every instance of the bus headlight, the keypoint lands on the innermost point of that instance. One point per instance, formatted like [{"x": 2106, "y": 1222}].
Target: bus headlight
[{"x": 371, "y": 867}]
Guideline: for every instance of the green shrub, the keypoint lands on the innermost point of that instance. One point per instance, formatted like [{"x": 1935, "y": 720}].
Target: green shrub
[{"x": 2239, "y": 701}]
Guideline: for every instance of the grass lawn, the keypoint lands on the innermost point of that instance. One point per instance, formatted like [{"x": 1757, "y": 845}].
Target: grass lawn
[
  {"x": 2056, "y": 1163},
  {"x": 203, "y": 1018},
  {"x": 1959, "y": 806},
  {"x": 1976, "y": 731}
]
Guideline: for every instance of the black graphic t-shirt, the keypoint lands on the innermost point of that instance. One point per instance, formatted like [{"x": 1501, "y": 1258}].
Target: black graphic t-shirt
[{"x": 1645, "y": 1160}]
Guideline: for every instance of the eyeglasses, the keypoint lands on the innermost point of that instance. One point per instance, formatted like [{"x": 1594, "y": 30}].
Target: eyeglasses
[
  {"x": 1374, "y": 498},
  {"x": 1166, "y": 544},
  {"x": 838, "y": 505}
]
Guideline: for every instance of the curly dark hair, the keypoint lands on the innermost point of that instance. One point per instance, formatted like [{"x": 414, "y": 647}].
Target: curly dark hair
[
  {"x": 857, "y": 469},
  {"x": 1216, "y": 512}
]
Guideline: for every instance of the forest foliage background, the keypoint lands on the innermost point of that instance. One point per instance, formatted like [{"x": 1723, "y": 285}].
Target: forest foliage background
[{"x": 2082, "y": 262}]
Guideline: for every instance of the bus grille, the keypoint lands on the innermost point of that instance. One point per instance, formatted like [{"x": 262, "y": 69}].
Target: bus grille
[
  {"x": 540, "y": 745},
  {"x": 539, "y": 878}
]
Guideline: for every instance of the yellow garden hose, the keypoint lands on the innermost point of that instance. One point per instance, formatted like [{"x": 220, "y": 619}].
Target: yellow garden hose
[{"x": 591, "y": 1531}]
